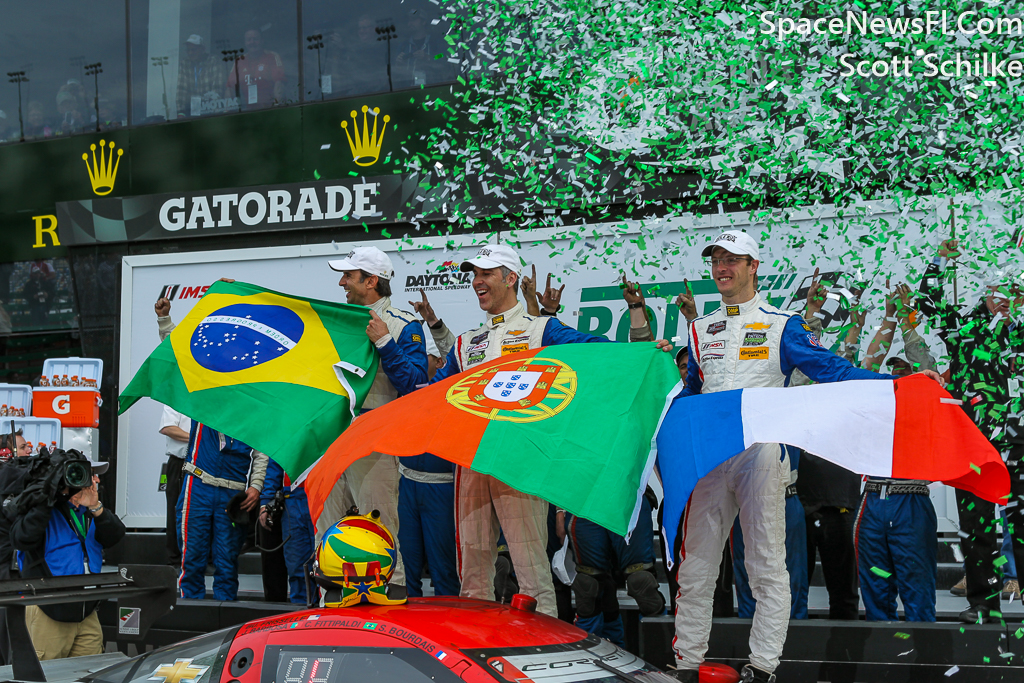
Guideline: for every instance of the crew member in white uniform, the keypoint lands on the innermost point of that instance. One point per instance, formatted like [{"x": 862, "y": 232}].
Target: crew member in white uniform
[
  {"x": 483, "y": 505},
  {"x": 746, "y": 343},
  {"x": 371, "y": 483}
]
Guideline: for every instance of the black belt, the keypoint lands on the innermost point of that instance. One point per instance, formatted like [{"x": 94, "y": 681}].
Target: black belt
[
  {"x": 790, "y": 490},
  {"x": 890, "y": 487}
]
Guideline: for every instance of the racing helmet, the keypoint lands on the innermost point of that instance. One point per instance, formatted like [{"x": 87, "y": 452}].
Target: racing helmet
[{"x": 355, "y": 561}]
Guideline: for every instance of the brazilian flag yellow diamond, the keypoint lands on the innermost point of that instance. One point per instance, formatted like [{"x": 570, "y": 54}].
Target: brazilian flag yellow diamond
[{"x": 228, "y": 340}]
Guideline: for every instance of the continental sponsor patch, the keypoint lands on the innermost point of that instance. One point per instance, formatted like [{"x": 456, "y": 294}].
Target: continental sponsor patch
[
  {"x": 732, "y": 310},
  {"x": 417, "y": 338},
  {"x": 720, "y": 344},
  {"x": 755, "y": 339},
  {"x": 715, "y": 328},
  {"x": 757, "y": 326},
  {"x": 507, "y": 349},
  {"x": 754, "y": 353}
]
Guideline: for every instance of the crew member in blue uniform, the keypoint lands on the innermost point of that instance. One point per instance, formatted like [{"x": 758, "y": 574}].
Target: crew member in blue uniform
[
  {"x": 296, "y": 527},
  {"x": 217, "y": 469}
]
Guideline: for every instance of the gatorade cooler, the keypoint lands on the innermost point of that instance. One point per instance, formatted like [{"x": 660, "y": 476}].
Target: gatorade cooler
[
  {"x": 74, "y": 406},
  {"x": 38, "y": 431},
  {"x": 15, "y": 400}
]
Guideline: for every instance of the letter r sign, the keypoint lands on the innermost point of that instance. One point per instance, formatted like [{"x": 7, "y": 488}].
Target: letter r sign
[{"x": 51, "y": 230}]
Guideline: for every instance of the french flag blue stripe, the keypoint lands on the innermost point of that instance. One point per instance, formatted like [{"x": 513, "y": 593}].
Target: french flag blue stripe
[{"x": 695, "y": 438}]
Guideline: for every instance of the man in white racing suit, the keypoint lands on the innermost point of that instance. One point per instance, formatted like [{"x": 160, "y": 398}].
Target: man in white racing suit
[
  {"x": 484, "y": 505},
  {"x": 746, "y": 343},
  {"x": 371, "y": 483}
]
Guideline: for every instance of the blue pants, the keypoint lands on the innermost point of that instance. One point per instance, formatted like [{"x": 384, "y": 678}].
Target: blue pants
[
  {"x": 602, "y": 554},
  {"x": 297, "y": 529},
  {"x": 426, "y": 532},
  {"x": 796, "y": 563},
  {"x": 896, "y": 553},
  {"x": 1010, "y": 568},
  {"x": 204, "y": 529}
]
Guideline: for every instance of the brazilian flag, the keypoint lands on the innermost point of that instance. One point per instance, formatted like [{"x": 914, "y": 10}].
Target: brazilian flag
[{"x": 282, "y": 373}]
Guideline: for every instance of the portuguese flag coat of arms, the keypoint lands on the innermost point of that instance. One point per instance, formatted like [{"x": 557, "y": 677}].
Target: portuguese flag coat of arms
[
  {"x": 574, "y": 424},
  {"x": 282, "y": 373}
]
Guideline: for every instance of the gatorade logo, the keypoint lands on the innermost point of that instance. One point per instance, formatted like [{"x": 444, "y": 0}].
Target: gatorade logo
[{"x": 62, "y": 404}]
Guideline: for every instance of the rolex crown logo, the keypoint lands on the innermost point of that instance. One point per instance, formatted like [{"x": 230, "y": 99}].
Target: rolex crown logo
[
  {"x": 365, "y": 145},
  {"x": 103, "y": 173}
]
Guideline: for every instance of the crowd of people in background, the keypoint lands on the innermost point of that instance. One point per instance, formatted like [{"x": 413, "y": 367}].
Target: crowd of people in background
[{"x": 353, "y": 62}]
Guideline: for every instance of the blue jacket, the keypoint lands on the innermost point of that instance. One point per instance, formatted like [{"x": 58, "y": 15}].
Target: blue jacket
[
  {"x": 277, "y": 479},
  {"x": 205, "y": 451},
  {"x": 405, "y": 358},
  {"x": 49, "y": 544}
]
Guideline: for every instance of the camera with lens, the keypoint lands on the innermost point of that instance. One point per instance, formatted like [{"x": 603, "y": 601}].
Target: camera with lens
[{"x": 48, "y": 477}]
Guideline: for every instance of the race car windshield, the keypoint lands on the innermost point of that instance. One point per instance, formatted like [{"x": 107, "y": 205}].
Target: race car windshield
[
  {"x": 198, "y": 660},
  {"x": 592, "y": 660}
]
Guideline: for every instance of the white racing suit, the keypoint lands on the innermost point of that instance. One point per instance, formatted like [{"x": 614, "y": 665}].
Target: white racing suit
[
  {"x": 484, "y": 505},
  {"x": 750, "y": 345},
  {"x": 371, "y": 483}
]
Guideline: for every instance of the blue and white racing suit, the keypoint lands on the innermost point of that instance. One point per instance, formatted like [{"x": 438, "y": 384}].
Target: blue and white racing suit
[{"x": 217, "y": 468}]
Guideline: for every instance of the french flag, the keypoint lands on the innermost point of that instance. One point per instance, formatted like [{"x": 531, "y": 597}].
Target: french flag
[{"x": 909, "y": 428}]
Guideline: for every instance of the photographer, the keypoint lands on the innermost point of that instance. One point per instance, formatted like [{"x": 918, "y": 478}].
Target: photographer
[{"x": 64, "y": 533}]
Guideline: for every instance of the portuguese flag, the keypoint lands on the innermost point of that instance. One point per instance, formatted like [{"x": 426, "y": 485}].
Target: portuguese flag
[
  {"x": 282, "y": 373},
  {"x": 574, "y": 424}
]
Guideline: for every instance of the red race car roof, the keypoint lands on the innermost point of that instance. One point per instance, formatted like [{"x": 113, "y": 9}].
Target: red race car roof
[{"x": 462, "y": 623}]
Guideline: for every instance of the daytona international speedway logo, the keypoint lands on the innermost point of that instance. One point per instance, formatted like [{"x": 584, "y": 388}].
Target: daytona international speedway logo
[{"x": 516, "y": 390}]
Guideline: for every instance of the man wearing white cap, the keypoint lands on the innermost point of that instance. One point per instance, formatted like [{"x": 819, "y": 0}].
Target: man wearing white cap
[
  {"x": 482, "y": 503},
  {"x": 371, "y": 483},
  {"x": 746, "y": 343}
]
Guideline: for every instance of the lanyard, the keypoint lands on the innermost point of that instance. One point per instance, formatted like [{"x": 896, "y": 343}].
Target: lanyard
[{"x": 79, "y": 524}]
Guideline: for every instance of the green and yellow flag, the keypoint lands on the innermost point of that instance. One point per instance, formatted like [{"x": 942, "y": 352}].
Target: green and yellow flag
[{"x": 282, "y": 373}]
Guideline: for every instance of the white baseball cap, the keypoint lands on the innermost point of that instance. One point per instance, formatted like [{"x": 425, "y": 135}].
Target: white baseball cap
[
  {"x": 369, "y": 259},
  {"x": 195, "y": 39},
  {"x": 734, "y": 242},
  {"x": 493, "y": 256}
]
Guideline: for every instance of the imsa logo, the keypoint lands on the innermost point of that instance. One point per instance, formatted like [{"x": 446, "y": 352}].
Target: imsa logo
[{"x": 516, "y": 390}]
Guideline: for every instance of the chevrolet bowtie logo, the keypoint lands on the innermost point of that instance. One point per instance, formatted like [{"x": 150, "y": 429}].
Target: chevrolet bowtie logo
[
  {"x": 757, "y": 326},
  {"x": 179, "y": 672}
]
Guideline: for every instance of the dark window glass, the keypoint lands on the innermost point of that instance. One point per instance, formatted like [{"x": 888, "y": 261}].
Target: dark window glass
[
  {"x": 183, "y": 57},
  {"x": 36, "y": 296},
  {"x": 356, "y": 48},
  {"x": 56, "y": 45}
]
